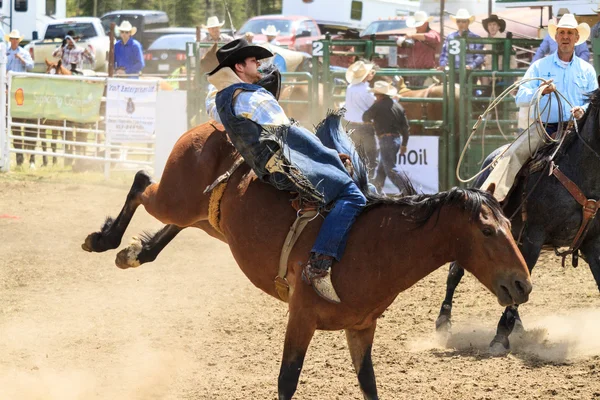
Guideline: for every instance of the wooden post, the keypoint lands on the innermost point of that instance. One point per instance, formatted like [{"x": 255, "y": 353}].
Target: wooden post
[
  {"x": 198, "y": 34},
  {"x": 442, "y": 16},
  {"x": 111, "y": 50}
]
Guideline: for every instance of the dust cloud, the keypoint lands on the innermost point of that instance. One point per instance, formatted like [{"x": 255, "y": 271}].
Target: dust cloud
[{"x": 551, "y": 338}]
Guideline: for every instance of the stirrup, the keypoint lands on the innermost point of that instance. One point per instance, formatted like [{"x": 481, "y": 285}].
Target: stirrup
[{"x": 321, "y": 283}]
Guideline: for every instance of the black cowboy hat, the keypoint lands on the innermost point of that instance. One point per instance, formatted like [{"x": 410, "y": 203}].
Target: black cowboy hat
[
  {"x": 494, "y": 18},
  {"x": 237, "y": 51}
]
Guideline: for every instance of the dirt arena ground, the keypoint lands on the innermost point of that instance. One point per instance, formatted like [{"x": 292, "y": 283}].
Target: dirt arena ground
[{"x": 191, "y": 326}]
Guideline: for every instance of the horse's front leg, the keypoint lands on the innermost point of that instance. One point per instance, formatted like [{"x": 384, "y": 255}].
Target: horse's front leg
[
  {"x": 530, "y": 249},
  {"x": 360, "y": 343},
  {"x": 591, "y": 251},
  {"x": 455, "y": 274},
  {"x": 110, "y": 235},
  {"x": 299, "y": 332},
  {"x": 146, "y": 248}
]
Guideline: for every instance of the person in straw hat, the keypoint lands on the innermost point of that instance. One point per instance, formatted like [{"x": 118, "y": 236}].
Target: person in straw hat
[
  {"x": 213, "y": 26},
  {"x": 271, "y": 33},
  {"x": 286, "y": 155},
  {"x": 419, "y": 49},
  {"x": 390, "y": 123},
  {"x": 358, "y": 100},
  {"x": 129, "y": 58},
  {"x": 473, "y": 60},
  {"x": 564, "y": 72},
  {"x": 549, "y": 45},
  {"x": 19, "y": 60}
]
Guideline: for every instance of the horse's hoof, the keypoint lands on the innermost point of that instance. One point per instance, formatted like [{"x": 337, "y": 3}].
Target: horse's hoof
[
  {"x": 443, "y": 324},
  {"x": 499, "y": 346},
  {"x": 128, "y": 257}
]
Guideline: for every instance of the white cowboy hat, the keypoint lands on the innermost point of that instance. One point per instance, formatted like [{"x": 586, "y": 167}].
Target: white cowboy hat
[
  {"x": 127, "y": 27},
  {"x": 463, "y": 13},
  {"x": 383, "y": 87},
  {"x": 357, "y": 72},
  {"x": 568, "y": 21},
  {"x": 418, "y": 19},
  {"x": 13, "y": 35},
  {"x": 270, "y": 31},
  {"x": 597, "y": 10},
  {"x": 213, "y": 22}
]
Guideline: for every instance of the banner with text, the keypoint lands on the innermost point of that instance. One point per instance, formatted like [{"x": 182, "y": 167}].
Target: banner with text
[
  {"x": 420, "y": 163},
  {"x": 131, "y": 109},
  {"x": 55, "y": 99}
]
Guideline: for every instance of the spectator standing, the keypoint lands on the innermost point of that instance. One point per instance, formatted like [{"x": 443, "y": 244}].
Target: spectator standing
[
  {"x": 462, "y": 19},
  {"x": 390, "y": 123},
  {"x": 549, "y": 45},
  {"x": 73, "y": 55},
  {"x": 596, "y": 28},
  {"x": 358, "y": 100},
  {"x": 271, "y": 33},
  {"x": 214, "y": 31},
  {"x": 495, "y": 27},
  {"x": 420, "y": 48},
  {"x": 19, "y": 60},
  {"x": 129, "y": 58}
]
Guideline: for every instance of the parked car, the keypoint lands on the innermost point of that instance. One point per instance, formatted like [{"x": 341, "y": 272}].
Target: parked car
[
  {"x": 143, "y": 20},
  {"x": 167, "y": 53},
  {"x": 295, "y": 32}
]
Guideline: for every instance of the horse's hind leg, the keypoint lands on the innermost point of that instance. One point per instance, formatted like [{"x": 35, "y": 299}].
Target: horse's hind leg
[
  {"x": 146, "y": 249},
  {"x": 360, "y": 344},
  {"x": 455, "y": 274},
  {"x": 298, "y": 335},
  {"x": 110, "y": 235}
]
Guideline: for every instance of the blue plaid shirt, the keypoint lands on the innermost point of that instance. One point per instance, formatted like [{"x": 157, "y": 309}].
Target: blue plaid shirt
[
  {"x": 472, "y": 60},
  {"x": 14, "y": 64}
]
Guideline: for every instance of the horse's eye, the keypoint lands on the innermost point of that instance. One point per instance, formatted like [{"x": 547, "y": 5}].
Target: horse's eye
[{"x": 487, "y": 231}]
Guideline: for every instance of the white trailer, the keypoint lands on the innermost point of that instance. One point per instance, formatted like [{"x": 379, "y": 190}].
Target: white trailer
[
  {"x": 29, "y": 16},
  {"x": 358, "y": 13}
]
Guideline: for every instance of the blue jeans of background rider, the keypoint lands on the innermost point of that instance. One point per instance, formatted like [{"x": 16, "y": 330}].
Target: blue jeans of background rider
[
  {"x": 388, "y": 150},
  {"x": 333, "y": 234}
]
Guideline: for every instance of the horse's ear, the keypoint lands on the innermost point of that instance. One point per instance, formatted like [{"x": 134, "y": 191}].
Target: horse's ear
[
  {"x": 47, "y": 62},
  {"x": 491, "y": 188},
  {"x": 58, "y": 64}
]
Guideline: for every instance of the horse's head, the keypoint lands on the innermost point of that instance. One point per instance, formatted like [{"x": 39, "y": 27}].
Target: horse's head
[
  {"x": 56, "y": 68},
  {"x": 484, "y": 246}
]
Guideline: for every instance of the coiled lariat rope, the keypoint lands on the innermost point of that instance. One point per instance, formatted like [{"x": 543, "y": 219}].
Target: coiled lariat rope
[{"x": 535, "y": 122}]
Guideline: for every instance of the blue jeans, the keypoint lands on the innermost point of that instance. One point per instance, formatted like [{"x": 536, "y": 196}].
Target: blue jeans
[
  {"x": 388, "y": 148},
  {"x": 333, "y": 234}
]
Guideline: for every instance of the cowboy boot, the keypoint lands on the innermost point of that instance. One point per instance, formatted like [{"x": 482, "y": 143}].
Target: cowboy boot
[{"x": 317, "y": 273}]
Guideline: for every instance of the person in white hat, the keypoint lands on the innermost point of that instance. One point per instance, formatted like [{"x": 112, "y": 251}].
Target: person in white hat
[
  {"x": 474, "y": 60},
  {"x": 19, "y": 60},
  {"x": 390, "y": 123},
  {"x": 565, "y": 72},
  {"x": 358, "y": 100},
  {"x": 129, "y": 57},
  {"x": 271, "y": 33},
  {"x": 213, "y": 26},
  {"x": 549, "y": 46},
  {"x": 425, "y": 46}
]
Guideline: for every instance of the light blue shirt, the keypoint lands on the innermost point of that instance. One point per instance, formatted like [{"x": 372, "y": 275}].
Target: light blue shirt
[
  {"x": 358, "y": 100},
  {"x": 14, "y": 64},
  {"x": 549, "y": 46},
  {"x": 574, "y": 80}
]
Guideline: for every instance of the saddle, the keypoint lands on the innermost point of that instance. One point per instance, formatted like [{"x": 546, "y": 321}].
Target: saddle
[{"x": 306, "y": 211}]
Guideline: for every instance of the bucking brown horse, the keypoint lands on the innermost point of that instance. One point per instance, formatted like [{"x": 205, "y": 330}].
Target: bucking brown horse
[{"x": 394, "y": 243}]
